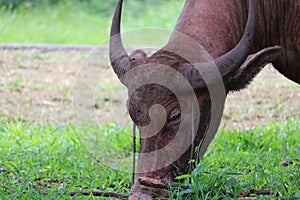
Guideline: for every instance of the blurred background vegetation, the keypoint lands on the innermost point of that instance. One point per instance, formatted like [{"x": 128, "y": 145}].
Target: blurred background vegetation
[
  {"x": 94, "y": 6},
  {"x": 79, "y": 21}
]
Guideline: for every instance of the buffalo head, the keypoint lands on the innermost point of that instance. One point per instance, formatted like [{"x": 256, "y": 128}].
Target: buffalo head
[{"x": 170, "y": 96}]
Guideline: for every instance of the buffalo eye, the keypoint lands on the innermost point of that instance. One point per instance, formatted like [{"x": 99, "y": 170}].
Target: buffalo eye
[{"x": 175, "y": 115}]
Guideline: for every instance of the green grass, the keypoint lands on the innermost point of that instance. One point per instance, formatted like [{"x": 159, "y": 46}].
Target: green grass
[
  {"x": 72, "y": 24},
  {"x": 50, "y": 162},
  {"x": 14, "y": 85},
  {"x": 35, "y": 160},
  {"x": 241, "y": 161}
]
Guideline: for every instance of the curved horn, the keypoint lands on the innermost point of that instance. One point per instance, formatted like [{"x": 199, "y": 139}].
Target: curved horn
[
  {"x": 228, "y": 63},
  {"x": 119, "y": 58},
  {"x": 233, "y": 59}
]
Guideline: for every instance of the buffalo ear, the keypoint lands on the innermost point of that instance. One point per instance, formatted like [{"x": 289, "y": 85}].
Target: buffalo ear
[
  {"x": 250, "y": 68},
  {"x": 138, "y": 54}
]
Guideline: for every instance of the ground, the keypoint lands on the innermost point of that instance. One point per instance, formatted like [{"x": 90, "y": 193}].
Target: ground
[{"x": 57, "y": 87}]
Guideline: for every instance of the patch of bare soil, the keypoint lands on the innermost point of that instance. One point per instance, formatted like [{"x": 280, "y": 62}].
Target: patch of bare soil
[
  {"x": 64, "y": 87},
  {"x": 270, "y": 97}
]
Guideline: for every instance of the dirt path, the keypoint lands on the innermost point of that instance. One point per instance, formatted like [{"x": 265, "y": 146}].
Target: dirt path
[
  {"x": 47, "y": 47},
  {"x": 39, "y": 87}
]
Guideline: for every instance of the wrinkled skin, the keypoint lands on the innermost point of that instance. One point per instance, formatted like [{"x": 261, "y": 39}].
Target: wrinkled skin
[{"x": 218, "y": 29}]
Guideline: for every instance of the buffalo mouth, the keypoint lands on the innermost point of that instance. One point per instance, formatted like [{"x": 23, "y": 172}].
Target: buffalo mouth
[{"x": 149, "y": 188}]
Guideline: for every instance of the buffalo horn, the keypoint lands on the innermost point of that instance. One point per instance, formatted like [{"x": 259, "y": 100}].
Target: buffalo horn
[
  {"x": 119, "y": 58},
  {"x": 233, "y": 59},
  {"x": 227, "y": 63}
]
